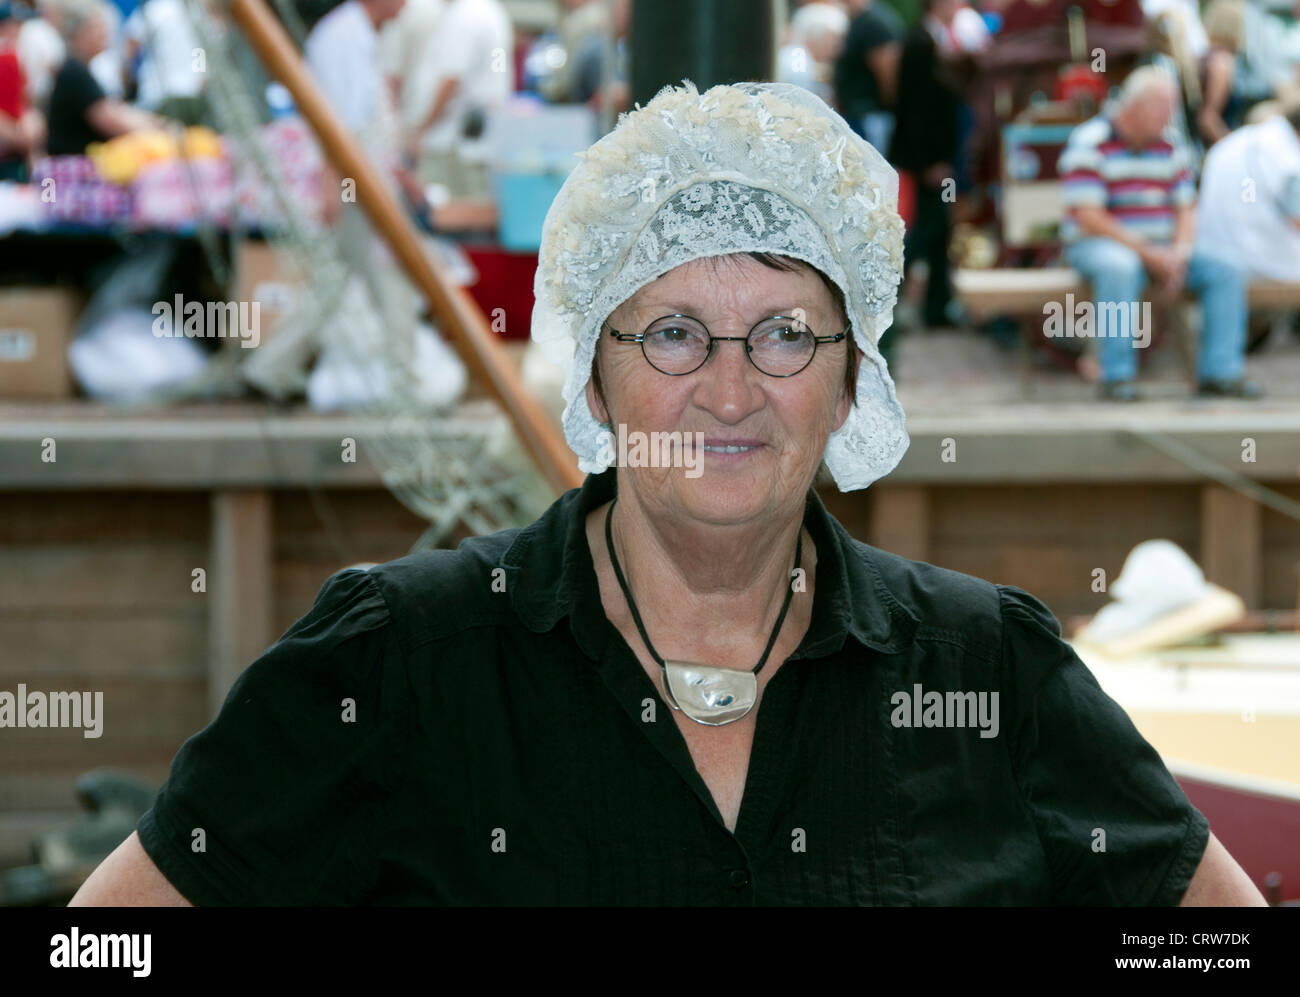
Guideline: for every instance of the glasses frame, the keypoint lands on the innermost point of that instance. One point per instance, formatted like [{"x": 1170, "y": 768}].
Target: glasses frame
[{"x": 639, "y": 337}]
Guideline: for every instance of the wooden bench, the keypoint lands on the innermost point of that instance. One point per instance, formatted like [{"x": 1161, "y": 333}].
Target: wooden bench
[
  {"x": 985, "y": 293},
  {"x": 1021, "y": 292}
]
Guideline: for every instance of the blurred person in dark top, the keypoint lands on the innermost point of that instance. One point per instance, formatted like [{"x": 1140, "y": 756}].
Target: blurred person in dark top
[
  {"x": 583, "y": 26},
  {"x": 1221, "y": 109},
  {"x": 1169, "y": 48},
  {"x": 925, "y": 144},
  {"x": 589, "y": 82},
  {"x": 866, "y": 73},
  {"x": 80, "y": 111}
]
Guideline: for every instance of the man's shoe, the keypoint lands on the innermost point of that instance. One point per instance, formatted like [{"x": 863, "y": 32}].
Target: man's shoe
[
  {"x": 1118, "y": 391},
  {"x": 1240, "y": 388}
]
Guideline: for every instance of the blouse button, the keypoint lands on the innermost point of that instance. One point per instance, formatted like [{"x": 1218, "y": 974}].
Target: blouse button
[{"x": 739, "y": 878}]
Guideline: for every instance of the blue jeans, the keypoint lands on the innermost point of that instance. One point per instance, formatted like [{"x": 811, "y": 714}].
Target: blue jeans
[
  {"x": 878, "y": 129},
  {"x": 1117, "y": 276}
]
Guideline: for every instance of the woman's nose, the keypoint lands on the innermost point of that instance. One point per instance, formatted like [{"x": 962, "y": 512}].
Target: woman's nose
[{"x": 729, "y": 384}]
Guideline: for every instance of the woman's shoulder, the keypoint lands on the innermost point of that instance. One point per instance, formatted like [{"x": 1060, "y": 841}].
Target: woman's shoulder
[
  {"x": 927, "y": 590},
  {"x": 436, "y": 593},
  {"x": 954, "y": 604}
]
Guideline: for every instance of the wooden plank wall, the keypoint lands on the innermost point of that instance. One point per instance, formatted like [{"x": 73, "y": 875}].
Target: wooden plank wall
[
  {"x": 1048, "y": 539},
  {"x": 1279, "y": 545},
  {"x": 95, "y": 594},
  {"x": 313, "y": 540}
]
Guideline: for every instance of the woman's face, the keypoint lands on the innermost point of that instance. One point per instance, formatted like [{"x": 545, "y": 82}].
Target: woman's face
[
  {"x": 92, "y": 38},
  {"x": 783, "y": 422}
]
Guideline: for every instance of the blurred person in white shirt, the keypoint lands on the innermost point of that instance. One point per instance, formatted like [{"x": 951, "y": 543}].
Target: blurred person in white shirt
[
  {"x": 1249, "y": 205},
  {"x": 342, "y": 53},
  {"x": 159, "y": 31},
  {"x": 816, "y": 37},
  {"x": 404, "y": 45},
  {"x": 473, "y": 75},
  {"x": 41, "y": 51}
]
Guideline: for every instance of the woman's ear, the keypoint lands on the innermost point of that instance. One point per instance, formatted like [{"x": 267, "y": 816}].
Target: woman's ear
[
  {"x": 594, "y": 404},
  {"x": 594, "y": 401},
  {"x": 845, "y": 405}
]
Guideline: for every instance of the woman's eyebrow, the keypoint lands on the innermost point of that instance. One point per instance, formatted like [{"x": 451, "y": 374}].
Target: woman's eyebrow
[{"x": 664, "y": 309}]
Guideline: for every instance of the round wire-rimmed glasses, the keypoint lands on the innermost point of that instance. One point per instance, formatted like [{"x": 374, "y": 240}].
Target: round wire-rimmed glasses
[{"x": 778, "y": 346}]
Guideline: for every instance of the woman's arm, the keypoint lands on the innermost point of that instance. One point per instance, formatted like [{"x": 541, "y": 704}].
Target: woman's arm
[
  {"x": 22, "y": 134},
  {"x": 1219, "y": 72},
  {"x": 1220, "y": 882},
  {"x": 111, "y": 118},
  {"x": 128, "y": 878}
]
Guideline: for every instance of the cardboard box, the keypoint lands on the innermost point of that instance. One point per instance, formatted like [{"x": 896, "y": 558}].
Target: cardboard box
[
  {"x": 35, "y": 328},
  {"x": 263, "y": 278}
]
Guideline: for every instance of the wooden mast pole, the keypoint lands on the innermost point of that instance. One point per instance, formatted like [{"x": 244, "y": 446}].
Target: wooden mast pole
[{"x": 455, "y": 310}]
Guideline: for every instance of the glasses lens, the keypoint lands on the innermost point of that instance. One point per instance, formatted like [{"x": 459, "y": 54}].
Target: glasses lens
[
  {"x": 676, "y": 345},
  {"x": 781, "y": 346}
]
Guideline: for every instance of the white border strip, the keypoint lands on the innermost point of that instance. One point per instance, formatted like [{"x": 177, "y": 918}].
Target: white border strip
[{"x": 1234, "y": 780}]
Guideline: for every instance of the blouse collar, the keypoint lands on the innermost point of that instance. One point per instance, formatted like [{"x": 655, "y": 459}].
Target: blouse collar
[{"x": 550, "y": 575}]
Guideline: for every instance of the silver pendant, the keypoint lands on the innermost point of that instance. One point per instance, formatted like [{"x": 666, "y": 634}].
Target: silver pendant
[{"x": 711, "y": 696}]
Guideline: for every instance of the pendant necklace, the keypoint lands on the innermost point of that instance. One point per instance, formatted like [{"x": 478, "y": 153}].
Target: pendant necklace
[{"x": 708, "y": 695}]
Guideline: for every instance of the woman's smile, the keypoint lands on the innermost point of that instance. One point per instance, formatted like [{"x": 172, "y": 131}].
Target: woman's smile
[{"x": 733, "y": 453}]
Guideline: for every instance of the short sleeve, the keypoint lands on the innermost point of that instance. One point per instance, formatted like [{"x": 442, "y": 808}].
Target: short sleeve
[
  {"x": 84, "y": 88},
  {"x": 1082, "y": 180},
  {"x": 1183, "y": 191},
  {"x": 1116, "y": 828},
  {"x": 266, "y": 805}
]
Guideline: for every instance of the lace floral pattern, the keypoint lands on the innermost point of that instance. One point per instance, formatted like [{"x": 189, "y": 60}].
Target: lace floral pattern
[{"x": 750, "y": 167}]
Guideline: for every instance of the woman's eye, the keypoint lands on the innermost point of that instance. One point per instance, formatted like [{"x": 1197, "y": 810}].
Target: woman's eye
[
  {"x": 785, "y": 334},
  {"x": 674, "y": 334}
]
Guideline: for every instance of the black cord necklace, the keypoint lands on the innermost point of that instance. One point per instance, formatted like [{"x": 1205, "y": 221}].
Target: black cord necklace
[{"x": 707, "y": 694}]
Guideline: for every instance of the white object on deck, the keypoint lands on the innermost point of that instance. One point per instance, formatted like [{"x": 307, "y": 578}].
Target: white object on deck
[{"x": 1161, "y": 599}]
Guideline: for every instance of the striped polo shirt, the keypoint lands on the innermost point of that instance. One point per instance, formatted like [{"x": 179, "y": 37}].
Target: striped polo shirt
[{"x": 1139, "y": 187}]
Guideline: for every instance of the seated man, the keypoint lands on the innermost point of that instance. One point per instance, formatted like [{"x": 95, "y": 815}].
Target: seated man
[{"x": 1130, "y": 217}]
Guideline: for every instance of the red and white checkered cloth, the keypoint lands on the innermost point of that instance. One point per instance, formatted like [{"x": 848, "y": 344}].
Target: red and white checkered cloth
[
  {"x": 73, "y": 192},
  {"x": 178, "y": 193}
]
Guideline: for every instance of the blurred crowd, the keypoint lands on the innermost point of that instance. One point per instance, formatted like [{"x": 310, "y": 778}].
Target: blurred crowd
[
  {"x": 421, "y": 82},
  {"x": 1182, "y": 173}
]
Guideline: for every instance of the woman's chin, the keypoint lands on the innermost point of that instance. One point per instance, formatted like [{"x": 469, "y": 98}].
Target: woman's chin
[
  {"x": 722, "y": 491},
  {"x": 725, "y": 497}
]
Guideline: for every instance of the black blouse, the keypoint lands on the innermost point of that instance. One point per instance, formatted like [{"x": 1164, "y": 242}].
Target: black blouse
[{"x": 467, "y": 727}]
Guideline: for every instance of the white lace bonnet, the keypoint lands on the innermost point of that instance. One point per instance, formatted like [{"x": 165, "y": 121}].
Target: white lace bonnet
[{"x": 763, "y": 167}]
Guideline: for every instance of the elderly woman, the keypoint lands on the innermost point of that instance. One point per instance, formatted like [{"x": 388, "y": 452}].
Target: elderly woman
[
  {"x": 80, "y": 111},
  {"x": 680, "y": 687}
]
